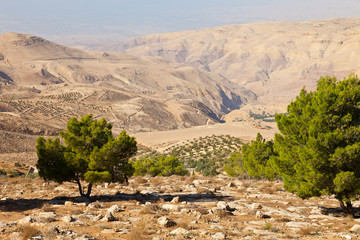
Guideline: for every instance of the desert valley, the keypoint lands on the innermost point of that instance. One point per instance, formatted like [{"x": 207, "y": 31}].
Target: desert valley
[{"x": 215, "y": 87}]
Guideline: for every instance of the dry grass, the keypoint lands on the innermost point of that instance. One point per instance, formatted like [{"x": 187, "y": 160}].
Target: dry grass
[
  {"x": 140, "y": 180},
  {"x": 47, "y": 207},
  {"x": 27, "y": 232},
  {"x": 307, "y": 231},
  {"x": 153, "y": 209},
  {"x": 139, "y": 232},
  {"x": 156, "y": 181}
]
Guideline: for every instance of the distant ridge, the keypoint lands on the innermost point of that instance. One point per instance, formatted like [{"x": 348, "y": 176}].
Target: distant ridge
[{"x": 273, "y": 59}]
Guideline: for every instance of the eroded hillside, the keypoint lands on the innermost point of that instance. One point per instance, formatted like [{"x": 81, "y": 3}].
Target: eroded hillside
[
  {"x": 43, "y": 82},
  {"x": 273, "y": 59}
]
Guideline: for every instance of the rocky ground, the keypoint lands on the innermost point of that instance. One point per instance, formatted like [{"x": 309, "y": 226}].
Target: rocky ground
[{"x": 168, "y": 208}]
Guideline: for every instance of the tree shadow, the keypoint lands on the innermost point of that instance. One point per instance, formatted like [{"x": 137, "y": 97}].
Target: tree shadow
[
  {"x": 338, "y": 212},
  {"x": 20, "y": 205}
]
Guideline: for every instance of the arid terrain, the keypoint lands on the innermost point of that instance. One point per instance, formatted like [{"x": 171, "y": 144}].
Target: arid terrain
[
  {"x": 272, "y": 59},
  {"x": 168, "y": 208},
  {"x": 171, "y": 91}
]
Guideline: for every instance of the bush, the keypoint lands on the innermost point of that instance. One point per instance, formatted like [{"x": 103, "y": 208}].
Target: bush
[{"x": 159, "y": 166}]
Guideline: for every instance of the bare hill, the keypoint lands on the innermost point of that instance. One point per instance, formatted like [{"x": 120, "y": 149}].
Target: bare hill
[
  {"x": 44, "y": 82},
  {"x": 273, "y": 59}
]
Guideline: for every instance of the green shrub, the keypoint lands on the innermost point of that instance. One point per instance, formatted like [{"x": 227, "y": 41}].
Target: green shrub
[
  {"x": 17, "y": 164},
  {"x": 159, "y": 166}
]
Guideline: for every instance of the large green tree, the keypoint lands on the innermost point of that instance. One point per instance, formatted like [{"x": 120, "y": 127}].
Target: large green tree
[
  {"x": 319, "y": 142},
  {"x": 90, "y": 154}
]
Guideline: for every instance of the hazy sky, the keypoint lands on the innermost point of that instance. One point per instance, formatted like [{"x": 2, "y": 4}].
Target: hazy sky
[{"x": 128, "y": 19}]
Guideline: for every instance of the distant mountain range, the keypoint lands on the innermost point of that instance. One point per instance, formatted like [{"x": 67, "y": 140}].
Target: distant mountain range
[
  {"x": 168, "y": 81},
  {"x": 272, "y": 59}
]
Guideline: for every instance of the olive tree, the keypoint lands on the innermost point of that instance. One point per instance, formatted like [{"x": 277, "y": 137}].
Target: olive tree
[
  {"x": 319, "y": 142},
  {"x": 91, "y": 154}
]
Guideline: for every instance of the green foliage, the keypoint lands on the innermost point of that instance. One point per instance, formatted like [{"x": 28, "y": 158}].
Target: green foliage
[
  {"x": 206, "y": 154},
  {"x": 2, "y": 172},
  {"x": 91, "y": 153},
  {"x": 17, "y": 164},
  {"x": 256, "y": 158},
  {"x": 159, "y": 166},
  {"x": 319, "y": 141},
  {"x": 207, "y": 167},
  {"x": 234, "y": 165}
]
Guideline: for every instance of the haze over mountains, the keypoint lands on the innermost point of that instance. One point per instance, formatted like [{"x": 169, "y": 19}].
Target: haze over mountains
[
  {"x": 272, "y": 59},
  {"x": 168, "y": 81}
]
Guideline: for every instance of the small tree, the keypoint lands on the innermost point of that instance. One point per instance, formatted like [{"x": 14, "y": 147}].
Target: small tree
[
  {"x": 234, "y": 165},
  {"x": 319, "y": 142},
  {"x": 91, "y": 154},
  {"x": 255, "y": 160},
  {"x": 159, "y": 166}
]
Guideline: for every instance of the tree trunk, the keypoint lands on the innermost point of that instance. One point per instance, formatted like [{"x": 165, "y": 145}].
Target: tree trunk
[
  {"x": 347, "y": 207},
  {"x": 88, "y": 190},
  {"x": 80, "y": 188},
  {"x": 81, "y": 191}
]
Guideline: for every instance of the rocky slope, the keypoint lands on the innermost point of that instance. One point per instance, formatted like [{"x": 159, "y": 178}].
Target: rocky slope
[
  {"x": 169, "y": 208},
  {"x": 273, "y": 59},
  {"x": 44, "y": 82}
]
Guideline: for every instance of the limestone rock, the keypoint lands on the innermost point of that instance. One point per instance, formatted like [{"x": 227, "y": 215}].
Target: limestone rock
[
  {"x": 166, "y": 222},
  {"x": 355, "y": 228},
  {"x": 67, "y": 219},
  {"x": 172, "y": 207},
  {"x": 26, "y": 220},
  {"x": 223, "y": 205},
  {"x": 113, "y": 209},
  {"x": 68, "y": 203},
  {"x": 179, "y": 231},
  {"x": 175, "y": 200},
  {"x": 256, "y": 206},
  {"x": 259, "y": 215},
  {"x": 109, "y": 217},
  {"x": 219, "y": 236}
]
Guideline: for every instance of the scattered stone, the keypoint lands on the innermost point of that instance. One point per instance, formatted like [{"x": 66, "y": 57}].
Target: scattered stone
[
  {"x": 175, "y": 200},
  {"x": 106, "y": 230},
  {"x": 231, "y": 184},
  {"x": 46, "y": 217},
  {"x": 109, "y": 217},
  {"x": 166, "y": 222},
  {"x": 256, "y": 206},
  {"x": 355, "y": 228},
  {"x": 67, "y": 219},
  {"x": 260, "y": 215},
  {"x": 179, "y": 231},
  {"x": 68, "y": 203},
  {"x": 200, "y": 182},
  {"x": 98, "y": 217},
  {"x": 96, "y": 204},
  {"x": 185, "y": 211},
  {"x": 113, "y": 209},
  {"x": 219, "y": 236},
  {"x": 172, "y": 207},
  {"x": 158, "y": 238},
  {"x": 25, "y": 220},
  {"x": 223, "y": 205}
]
